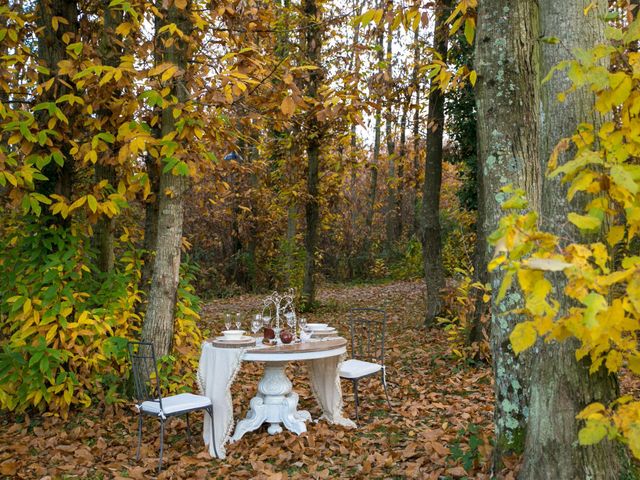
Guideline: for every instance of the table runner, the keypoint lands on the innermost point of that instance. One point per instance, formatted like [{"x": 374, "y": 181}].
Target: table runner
[{"x": 217, "y": 370}]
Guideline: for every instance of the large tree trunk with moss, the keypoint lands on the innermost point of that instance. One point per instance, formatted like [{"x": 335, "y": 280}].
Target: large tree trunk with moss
[
  {"x": 507, "y": 104},
  {"x": 560, "y": 385},
  {"x": 431, "y": 234},
  {"x": 105, "y": 169},
  {"x": 159, "y": 320},
  {"x": 313, "y": 46}
]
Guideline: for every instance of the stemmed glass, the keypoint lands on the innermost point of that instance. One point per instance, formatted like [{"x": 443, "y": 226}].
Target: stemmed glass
[
  {"x": 302, "y": 322},
  {"x": 227, "y": 321},
  {"x": 291, "y": 321},
  {"x": 238, "y": 321}
]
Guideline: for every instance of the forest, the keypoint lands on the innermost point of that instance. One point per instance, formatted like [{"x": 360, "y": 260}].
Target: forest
[{"x": 471, "y": 168}]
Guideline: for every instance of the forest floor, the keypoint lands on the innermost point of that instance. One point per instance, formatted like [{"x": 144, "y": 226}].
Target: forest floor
[{"x": 438, "y": 428}]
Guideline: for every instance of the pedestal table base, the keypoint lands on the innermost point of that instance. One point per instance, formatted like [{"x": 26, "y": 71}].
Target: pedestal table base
[{"x": 274, "y": 403}]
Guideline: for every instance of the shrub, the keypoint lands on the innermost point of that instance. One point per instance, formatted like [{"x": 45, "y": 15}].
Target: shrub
[{"x": 64, "y": 326}]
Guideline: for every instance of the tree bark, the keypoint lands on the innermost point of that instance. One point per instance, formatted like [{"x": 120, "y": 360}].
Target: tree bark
[
  {"x": 402, "y": 153},
  {"x": 560, "y": 385},
  {"x": 431, "y": 235},
  {"x": 105, "y": 169},
  {"x": 415, "y": 83},
  {"x": 507, "y": 105},
  {"x": 51, "y": 50},
  {"x": 392, "y": 179},
  {"x": 159, "y": 320},
  {"x": 373, "y": 186},
  {"x": 313, "y": 46}
]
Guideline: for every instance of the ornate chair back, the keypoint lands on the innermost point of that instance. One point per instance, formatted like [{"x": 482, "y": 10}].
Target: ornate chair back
[
  {"x": 145, "y": 372},
  {"x": 368, "y": 330}
]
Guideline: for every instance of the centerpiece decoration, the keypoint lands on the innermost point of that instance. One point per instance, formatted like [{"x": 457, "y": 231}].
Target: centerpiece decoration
[{"x": 283, "y": 307}]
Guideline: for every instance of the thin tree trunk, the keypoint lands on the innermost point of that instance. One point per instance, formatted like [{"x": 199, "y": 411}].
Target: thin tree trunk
[
  {"x": 159, "y": 320},
  {"x": 507, "y": 105},
  {"x": 313, "y": 46},
  {"x": 373, "y": 186},
  {"x": 431, "y": 235},
  {"x": 105, "y": 169},
  {"x": 415, "y": 82},
  {"x": 354, "y": 65},
  {"x": 402, "y": 152},
  {"x": 392, "y": 180},
  {"x": 560, "y": 385}
]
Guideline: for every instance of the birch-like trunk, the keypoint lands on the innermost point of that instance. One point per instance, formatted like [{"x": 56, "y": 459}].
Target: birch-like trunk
[{"x": 158, "y": 324}]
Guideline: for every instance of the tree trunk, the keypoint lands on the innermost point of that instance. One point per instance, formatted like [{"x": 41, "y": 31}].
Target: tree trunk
[
  {"x": 373, "y": 188},
  {"x": 431, "y": 235},
  {"x": 402, "y": 153},
  {"x": 313, "y": 46},
  {"x": 560, "y": 385},
  {"x": 105, "y": 169},
  {"x": 150, "y": 225},
  {"x": 392, "y": 180},
  {"x": 507, "y": 105},
  {"x": 415, "y": 83},
  {"x": 159, "y": 319},
  {"x": 51, "y": 50}
]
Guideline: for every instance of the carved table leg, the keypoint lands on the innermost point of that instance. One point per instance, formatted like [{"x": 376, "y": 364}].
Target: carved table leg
[{"x": 274, "y": 403}]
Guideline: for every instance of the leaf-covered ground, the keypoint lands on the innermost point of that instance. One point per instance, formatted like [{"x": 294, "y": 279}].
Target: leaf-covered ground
[{"x": 438, "y": 428}]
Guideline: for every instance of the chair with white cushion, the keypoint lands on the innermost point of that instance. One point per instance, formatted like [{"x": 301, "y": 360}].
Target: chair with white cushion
[
  {"x": 150, "y": 401},
  {"x": 368, "y": 329}
]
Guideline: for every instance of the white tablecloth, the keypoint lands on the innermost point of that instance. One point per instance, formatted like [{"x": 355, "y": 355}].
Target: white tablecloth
[{"x": 217, "y": 371}]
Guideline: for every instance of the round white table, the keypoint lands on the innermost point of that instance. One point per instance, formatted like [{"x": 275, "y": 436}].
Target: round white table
[{"x": 276, "y": 402}]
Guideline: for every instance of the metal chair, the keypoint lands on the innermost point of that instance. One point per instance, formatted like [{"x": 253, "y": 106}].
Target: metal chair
[
  {"x": 368, "y": 329},
  {"x": 149, "y": 398}
]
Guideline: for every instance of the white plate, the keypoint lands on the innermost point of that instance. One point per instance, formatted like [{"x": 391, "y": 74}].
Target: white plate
[
  {"x": 244, "y": 338},
  {"x": 324, "y": 330},
  {"x": 317, "y": 326}
]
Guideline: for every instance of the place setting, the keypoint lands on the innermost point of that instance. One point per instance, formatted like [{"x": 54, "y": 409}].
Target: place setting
[{"x": 233, "y": 337}]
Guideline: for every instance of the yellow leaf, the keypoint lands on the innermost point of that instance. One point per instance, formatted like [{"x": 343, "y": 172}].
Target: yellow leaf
[
  {"x": 288, "y": 106},
  {"x": 473, "y": 76},
  {"x": 92, "y": 202},
  {"x": 523, "y": 336},
  {"x": 615, "y": 235},
  {"x": 584, "y": 222},
  {"x": 168, "y": 73},
  {"x": 78, "y": 203},
  {"x": 181, "y": 4}
]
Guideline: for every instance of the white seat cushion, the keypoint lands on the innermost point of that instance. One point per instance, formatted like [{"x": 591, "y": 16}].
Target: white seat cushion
[
  {"x": 353, "y": 368},
  {"x": 176, "y": 403}
]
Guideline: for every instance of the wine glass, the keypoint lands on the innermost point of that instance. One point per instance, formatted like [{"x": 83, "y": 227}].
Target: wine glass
[
  {"x": 303, "y": 323},
  {"x": 238, "y": 321},
  {"x": 256, "y": 324},
  {"x": 227, "y": 321},
  {"x": 291, "y": 320}
]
